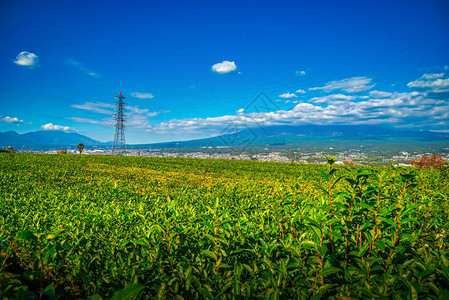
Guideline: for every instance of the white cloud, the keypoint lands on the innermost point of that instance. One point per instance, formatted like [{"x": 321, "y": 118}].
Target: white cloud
[
  {"x": 81, "y": 67},
  {"x": 224, "y": 67},
  {"x": 300, "y": 91},
  {"x": 400, "y": 109},
  {"x": 350, "y": 85},
  {"x": 435, "y": 84},
  {"x": 143, "y": 111},
  {"x": 136, "y": 117},
  {"x": 138, "y": 121},
  {"x": 97, "y": 107},
  {"x": 300, "y": 73},
  {"x": 50, "y": 126},
  {"x": 139, "y": 117},
  {"x": 83, "y": 120},
  {"x": 379, "y": 94},
  {"x": 432, "y": 76},
  {"x": 331, "y": 98},
  {"x": 288, "y": 95},
  {"x": 27, "y": 59},
  {"x": 10, "y": 120},
  {"x": 142, "y": 95}
]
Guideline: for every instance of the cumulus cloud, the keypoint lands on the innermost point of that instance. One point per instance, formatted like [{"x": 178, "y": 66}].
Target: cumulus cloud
[
  {"x": 50, "y": 126},
  {"x": 300, "y": 91},
  {"x": 27, "y": 59},
  {"x": 379, "y": 94},
  {"x": 350, "y": 85},
  {"x": 10, "y": 120},
  {"x": 288, "y": 95},
  {"x": 434, "y": 82},
  {"x": 81, "y": 67},
  {"x": 142, "y": 95},
  {"x": 332, "y": 98},
  {"x": 399, "y": 109},
  {"x": 224, "y": 67}
]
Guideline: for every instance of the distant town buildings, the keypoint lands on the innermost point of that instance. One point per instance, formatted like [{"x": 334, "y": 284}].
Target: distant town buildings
[{"x": 351, "y": 156}]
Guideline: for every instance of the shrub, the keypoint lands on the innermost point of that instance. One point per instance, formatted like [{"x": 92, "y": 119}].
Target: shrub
[
  {"x": 432, "y": 162},
  {"x": 8, "y": 149}
]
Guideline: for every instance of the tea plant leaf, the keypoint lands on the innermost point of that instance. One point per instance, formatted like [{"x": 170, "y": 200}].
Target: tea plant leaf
[
  {"x": 329, "y": 270},
  {"x": 130, "y": 291},
  {"x": 209, "y": 254}
]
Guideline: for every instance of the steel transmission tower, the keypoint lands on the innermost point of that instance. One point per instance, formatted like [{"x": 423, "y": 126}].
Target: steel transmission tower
[{"x": 119, "y": 146}]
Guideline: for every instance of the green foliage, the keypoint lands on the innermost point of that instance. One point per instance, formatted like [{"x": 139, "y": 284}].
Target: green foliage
[
  {"x": 80, "y": 147},
  {"x": 8, "y": 150},
  {"x": 106, "y": 227}
]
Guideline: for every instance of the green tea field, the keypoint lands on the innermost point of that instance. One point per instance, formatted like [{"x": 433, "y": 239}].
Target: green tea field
[{"x": 102, "y": 227}]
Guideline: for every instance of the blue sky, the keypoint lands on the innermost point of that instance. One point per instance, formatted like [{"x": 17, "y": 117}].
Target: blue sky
[{"x": 189, "y": 69}]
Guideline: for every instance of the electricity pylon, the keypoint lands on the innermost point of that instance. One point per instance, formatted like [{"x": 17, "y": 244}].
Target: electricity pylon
[{"x": 119, "y": 146}]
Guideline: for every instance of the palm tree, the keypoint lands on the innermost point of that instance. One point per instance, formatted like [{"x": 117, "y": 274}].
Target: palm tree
[{"x": 80, "y": 147}]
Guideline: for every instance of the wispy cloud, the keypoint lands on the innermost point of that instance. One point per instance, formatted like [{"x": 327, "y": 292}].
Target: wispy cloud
[
  {"x": 431, "y": 76},
  {"x": 84, "y": 120},
  {"x": 10, "y": 120},
  {"x": 139, "y": 117},
  {"x": 50, "y": 126},
  {"x": 142, "y": 95},
  {"x": 143, "y": 111},
  {"x": 97, "y": 107},
  {"x": 224, "y": 67},
  {"x": 300, "y": 91},
  {"x": 350, "y": 85},
  {"x": 27, "y": 59},
  {"x": 80, "y": 66},
  {"x": 288, "y": 95},
  {"x": 300, "y": 73},
  {"x": 136, "y": 117}
]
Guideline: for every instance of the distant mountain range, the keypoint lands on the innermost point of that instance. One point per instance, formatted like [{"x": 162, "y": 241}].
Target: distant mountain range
[
  {"x": 46, "y": 138},
  {"x": 311, "y": 136},
  {"x": 283, "y": 136}
]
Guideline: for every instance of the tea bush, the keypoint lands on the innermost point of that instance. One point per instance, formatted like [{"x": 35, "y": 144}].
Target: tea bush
[{"x": 105, "y": 226}]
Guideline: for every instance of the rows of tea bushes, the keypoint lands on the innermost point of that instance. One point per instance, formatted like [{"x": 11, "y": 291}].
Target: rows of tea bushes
[{"x": 100, "y": 227}]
